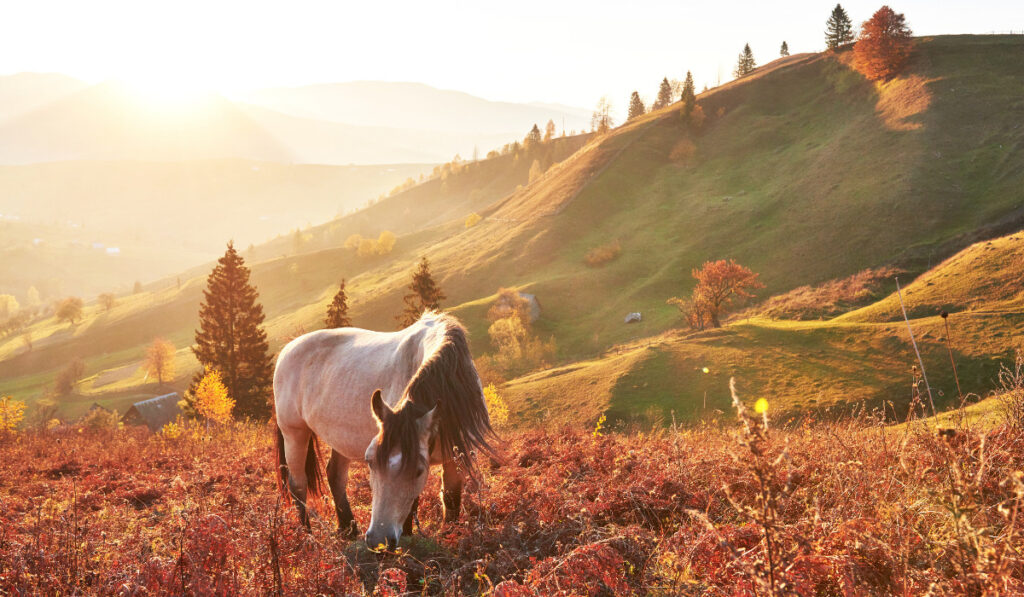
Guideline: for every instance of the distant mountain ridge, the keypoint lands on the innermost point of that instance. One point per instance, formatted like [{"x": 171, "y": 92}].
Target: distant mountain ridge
[
  {"x": 47, "y": 118},
  {"x": 415, "y": 106}
]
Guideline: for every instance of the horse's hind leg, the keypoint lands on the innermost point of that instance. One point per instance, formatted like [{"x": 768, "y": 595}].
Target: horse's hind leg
[
  {"x": 337, "y": 479},
  {"x": 296, "y": 443},
  {"x": 451, "y": 490}
]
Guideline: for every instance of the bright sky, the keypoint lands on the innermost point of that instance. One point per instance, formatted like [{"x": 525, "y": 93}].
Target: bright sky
[{"x": 569, "y": 52}]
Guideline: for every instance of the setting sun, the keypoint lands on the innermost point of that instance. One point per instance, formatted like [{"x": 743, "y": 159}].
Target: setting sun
[{"x": 169, "y": 91}]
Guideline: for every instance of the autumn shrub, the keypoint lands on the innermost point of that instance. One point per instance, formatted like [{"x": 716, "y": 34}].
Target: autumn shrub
[
  {"x": 496, "y": 406},
  {"x": 603, "y": 254},
  {"x": 828, "y": 299},
  {"x": 369, "y": 247},
  {"x": 682, "y": 152},
  {"x": 99, "y": 418},
  {"x": 12, "y": 412},
  {"x": 68, "y": 377},
  {"x": 211, "y": 400}
]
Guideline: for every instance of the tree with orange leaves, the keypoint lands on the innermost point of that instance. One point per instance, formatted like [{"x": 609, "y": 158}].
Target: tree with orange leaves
[
  {"x": 211, "y": 400},
  {"x": 883, "y": 46},
  {"x": 718, "y": 282}
]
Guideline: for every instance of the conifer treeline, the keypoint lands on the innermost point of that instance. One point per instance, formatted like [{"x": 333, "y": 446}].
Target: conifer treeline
[{"x": 231, "y": 339}]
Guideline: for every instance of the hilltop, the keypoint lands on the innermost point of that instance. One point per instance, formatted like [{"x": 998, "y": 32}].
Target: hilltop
[{"x": 803, "y": 171}]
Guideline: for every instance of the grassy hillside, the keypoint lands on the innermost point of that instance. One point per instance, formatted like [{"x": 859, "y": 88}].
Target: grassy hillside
[
  {"x": 295, "y": 287},
  {"x": 862, "y": 357},
  {"x": 803, "y": 171}
]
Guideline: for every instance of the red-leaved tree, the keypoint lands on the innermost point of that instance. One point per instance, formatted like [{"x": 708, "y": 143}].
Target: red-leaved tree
[
  {"x": 718, "y": 282},
  {"x": 883, "y": 46}
]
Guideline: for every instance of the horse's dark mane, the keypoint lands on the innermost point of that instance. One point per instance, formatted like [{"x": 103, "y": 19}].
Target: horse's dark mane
[{"x": 448, "y": 380}]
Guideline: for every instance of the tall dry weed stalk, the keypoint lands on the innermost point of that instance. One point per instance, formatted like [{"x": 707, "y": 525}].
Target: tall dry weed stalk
[
  {"x": 767, "y": 570},
  {"x": 1011, "y": 396}
]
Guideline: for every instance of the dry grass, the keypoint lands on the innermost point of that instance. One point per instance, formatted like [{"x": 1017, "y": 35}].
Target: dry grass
[
  {"x": 603, "y": 254},
  {"x": 839, "y": 508},
  {"x": 827, "y": 300}
]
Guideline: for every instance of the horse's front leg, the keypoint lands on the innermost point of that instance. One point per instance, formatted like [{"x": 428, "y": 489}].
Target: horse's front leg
[
  {"x": 407, "y": 527},
  {"x": 337, "y": 479},
  {"x": 452, "y": 481}
]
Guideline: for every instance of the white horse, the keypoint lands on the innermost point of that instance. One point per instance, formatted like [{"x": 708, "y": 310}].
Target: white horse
[{"x": 425, "y": 407}]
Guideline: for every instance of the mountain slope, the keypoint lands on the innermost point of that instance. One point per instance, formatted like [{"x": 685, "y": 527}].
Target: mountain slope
[{"x": 803, "y": 171}]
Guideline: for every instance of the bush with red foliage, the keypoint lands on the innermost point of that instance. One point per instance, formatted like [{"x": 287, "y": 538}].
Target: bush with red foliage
[
  {"x": 883, "y": 46},
  {"x": 865, "y": 510}
]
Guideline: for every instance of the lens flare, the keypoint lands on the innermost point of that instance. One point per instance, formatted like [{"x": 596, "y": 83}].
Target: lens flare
[{"x": 706, "y": 370}]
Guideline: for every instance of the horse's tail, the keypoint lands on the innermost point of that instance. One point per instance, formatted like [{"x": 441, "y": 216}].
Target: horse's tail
[
  {"x": 314, "y": 466},
  {"x": 282, "y": 464}
]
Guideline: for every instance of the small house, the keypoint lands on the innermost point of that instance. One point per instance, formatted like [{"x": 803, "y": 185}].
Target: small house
[
  {"x": 534, "y": 304},
  {"x": 153, "y": 413}
]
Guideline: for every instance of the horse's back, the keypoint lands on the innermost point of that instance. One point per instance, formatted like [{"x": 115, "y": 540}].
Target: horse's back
[{"x": 324, "y": 380}]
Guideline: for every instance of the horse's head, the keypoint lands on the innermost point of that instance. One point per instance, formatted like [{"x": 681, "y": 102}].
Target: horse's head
[{"x": 399, "y": 459}]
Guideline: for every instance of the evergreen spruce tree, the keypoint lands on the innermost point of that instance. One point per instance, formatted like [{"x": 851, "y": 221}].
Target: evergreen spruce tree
[
  {"x": 231, "y": 339},
  {"x": 838, "y": 28},
  {"x": 784, "y": 51},
  {"x": 689, "y": 96},
  {"x": 424, "y": 295},
  {"x": 533, "y": 138},
  {"x": 745, "y": 64},
  {"x": 636, "y": 106},
  {"x": 337, "y": 311},
  {"x": 664, "y": 95}
]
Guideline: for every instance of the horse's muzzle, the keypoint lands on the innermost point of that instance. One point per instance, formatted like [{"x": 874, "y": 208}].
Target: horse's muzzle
[{"x": 382, "y": 541}]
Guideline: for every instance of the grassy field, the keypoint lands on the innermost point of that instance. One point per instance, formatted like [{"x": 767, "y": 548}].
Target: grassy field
[
  {"x": 812, "y": 508},
  {"x": 803, "y": 171}
]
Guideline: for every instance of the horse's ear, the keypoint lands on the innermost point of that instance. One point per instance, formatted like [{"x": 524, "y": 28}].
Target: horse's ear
[
  {"x": 379, "y": 407},
  {"x": 427, "y": 418}
]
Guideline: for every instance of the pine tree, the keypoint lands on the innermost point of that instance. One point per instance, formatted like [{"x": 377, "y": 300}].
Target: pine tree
[
  {"x": 231, "y": 339},
  {"x": 784, "y": 51},
  {"x": 745, "y": 65},
  {"x": 532, "y": 139},
  {"x": 337, "y": 311},
  {"x": 838, "y": 28},
  {"x": 664, "y": 95},
  {"x": 636, "y": 106},
  {"x": 424, "y": 295},
  {"x": 689, "y": 97}
]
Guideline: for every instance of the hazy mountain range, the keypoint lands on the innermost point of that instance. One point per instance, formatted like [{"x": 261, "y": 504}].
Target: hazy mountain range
[{"x": 52, "y": 117}]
